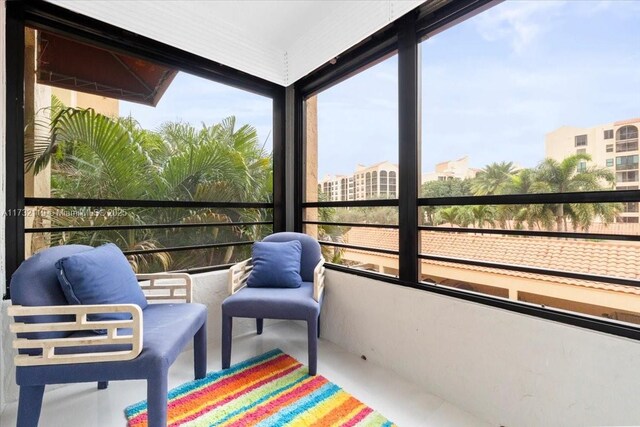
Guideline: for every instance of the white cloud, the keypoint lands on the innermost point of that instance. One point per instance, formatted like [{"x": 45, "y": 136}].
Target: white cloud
[{"x": 520, "y": 23}]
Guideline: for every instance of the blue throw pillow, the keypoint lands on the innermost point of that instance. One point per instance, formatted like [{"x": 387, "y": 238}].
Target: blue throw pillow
[
  {"x": 275, "y": 265},
  {"x": 100, "y": 276}
]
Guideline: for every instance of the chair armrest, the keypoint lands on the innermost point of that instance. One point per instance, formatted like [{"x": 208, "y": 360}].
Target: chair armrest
[
  {"x": 168, "y": 288},
  {"x": 318, "y": 280},
  {"x": 238, "y": 275},
  {"x": 81, "y": 323}
]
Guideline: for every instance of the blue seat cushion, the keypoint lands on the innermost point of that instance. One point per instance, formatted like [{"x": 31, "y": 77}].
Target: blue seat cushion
[
  {"x": 100, "y": 276},
  {"x": 163, "y": 326},
  {"x": 168, "y": 328},
  {"x": 284, "y": 303},
  {"x": 275, "y": 265}
]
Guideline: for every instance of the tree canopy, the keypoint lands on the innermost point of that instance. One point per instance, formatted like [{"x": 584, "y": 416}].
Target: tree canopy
[{"x": 95, "y": 156}]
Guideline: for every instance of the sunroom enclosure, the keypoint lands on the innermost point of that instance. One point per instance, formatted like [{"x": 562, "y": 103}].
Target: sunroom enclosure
[{"x": 499, "y": 300}]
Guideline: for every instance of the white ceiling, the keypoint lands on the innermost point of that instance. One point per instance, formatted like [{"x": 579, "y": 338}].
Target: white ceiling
[{"x": 278, "y": 40}]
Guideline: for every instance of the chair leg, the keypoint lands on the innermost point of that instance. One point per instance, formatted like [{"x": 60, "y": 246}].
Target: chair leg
[
  {"x": 157, "y": 400},
  {"x": 318, "y": 326},
  {"x": 200, "y": 352},
  {"x": 29, "y": 405},
  {"x": 102, "y": 385},
  {"x": 259, "y": 325},
  {"x": 227, "y": 327},
  {"x": 312, "y": 337}
]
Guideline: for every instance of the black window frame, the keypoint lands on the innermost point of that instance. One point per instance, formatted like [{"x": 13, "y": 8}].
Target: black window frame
[
  {"x": 404, "y": 36},
  {"x": 581, "y": 140},
  {"x": 627, "y": 142},
  {"x": 49, "y": 17},
  {"x": 627, "y": 162}
]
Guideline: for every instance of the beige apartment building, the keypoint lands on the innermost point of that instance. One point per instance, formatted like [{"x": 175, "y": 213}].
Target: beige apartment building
[
  {"x": 612, "y": 145},
  {"x": 379, "y": 181},
  {"x": 451, "y": 169}
]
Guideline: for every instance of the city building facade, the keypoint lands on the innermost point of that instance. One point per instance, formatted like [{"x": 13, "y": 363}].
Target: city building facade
[
  {"x": 612, "y": 145},
  {"x": 451, "y": 169},
  {"x": 378, "y": 181}
]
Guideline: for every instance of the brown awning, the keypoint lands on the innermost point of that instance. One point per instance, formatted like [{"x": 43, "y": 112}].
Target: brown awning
[{"x": 71, "y": 65}]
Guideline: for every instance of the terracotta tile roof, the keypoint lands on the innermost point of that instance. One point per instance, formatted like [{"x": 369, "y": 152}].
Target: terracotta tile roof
[
  {"x": 606, "y": 258},
  {"x": 599, "y": 228},
  {"x": 541, "y": 277},
  {"x": 379, "y": 238},
  {"x": 627, "y": 122}
]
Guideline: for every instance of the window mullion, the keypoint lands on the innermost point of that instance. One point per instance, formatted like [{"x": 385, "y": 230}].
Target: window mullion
[{"x": 409, "y": 146}]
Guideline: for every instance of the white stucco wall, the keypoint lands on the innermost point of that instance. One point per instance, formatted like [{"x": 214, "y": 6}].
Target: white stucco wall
[{"x": 507, "y": 368}]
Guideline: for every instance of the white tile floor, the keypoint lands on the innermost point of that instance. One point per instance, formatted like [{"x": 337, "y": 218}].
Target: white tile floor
[{"x": 82, "y": 405}]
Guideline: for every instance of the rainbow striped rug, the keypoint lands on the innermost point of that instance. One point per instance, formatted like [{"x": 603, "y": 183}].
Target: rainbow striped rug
[{"x": 269, "y": 390}]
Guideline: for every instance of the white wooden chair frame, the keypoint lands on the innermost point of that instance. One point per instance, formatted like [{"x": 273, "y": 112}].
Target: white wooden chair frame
[
  {"x": 239, "y": 273},
  {"x": 169, "y": 288}
]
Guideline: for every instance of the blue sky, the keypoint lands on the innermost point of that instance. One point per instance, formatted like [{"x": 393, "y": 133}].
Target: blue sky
[
  {"x": 196, "y": 100},
  {"x": 492, "y": 87}
]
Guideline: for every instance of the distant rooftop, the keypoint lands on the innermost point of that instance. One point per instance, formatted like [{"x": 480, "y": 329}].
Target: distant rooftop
[{"x": 605, "y": 258}]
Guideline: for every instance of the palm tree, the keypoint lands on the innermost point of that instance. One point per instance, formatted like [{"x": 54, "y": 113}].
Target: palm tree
[
  {"x": 447, "y": 215},
  {"x": 563, "y": 177},
  {"x": 94, "y": 156},
  {"x": 493, "y": 178},
  {"x": 523, "y": 182},
  {"x": 483, "y": 215}
]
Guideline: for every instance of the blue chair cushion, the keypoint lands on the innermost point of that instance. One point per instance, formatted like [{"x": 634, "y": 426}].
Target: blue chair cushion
[
  {"x": 295, "y": 303},
  {"x": 275, "y": 265},
  {"x": 311, "y": 253},
  {"x": 100, "y": 276},
  {"x": 168, "y": 328},
  {"x": 36, "y": 282}
]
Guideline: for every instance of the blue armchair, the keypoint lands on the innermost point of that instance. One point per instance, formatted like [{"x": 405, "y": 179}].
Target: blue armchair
[
  {"x": 56, "y": 342},
  {"x": 303, "y": 303}
]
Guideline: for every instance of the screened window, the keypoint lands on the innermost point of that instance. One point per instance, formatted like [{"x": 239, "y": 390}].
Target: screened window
[
  {"x": 627, "y": 162},
  {"x": 630, "y": 207},
  {"x": 627, "y": 132},
  {"x": 150, "y": 159},
  {"x": 352, "y": 130},
  {"x": 383, "y": 184},
  {"x": 393, "y": 185},
  {"x": 515, "y": 148},
  {"x": 628, "y": 219},
  {"x": 629, "y": 176},
  {"x": 627, "y": 139},
  {"x": 582, "y": 167}
]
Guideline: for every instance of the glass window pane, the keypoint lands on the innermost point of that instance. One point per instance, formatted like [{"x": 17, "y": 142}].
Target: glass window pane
[
  {"x": 101, "y": 124},
  {"x": 352, "y": 137},
  {"x": 588, "y": 257},
  {"x": 496, "y": 113},
  {"x": 351, "y": 155},
  {"x": 508, "y": 107}
]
